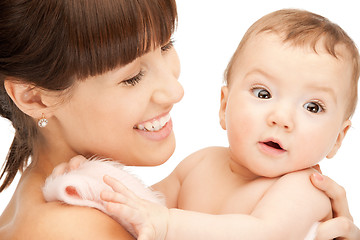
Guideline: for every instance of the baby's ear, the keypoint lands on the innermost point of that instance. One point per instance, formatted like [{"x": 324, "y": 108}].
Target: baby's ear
[
  {"x": 345, "y": 127},
  {"x": 223, "y": 104},
  {"x": 28, "y": 98}
]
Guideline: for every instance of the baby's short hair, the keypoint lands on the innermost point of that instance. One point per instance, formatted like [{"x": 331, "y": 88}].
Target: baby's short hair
[{"x": 301, "y": 28}]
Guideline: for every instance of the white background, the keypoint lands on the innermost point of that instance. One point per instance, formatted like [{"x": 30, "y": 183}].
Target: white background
[{"x": 207, "y": 35}]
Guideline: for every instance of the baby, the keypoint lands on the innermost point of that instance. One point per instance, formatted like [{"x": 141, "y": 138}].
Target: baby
[{"x": 291, "y": 89}]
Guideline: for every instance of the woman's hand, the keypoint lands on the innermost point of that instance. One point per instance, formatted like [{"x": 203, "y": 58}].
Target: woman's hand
[{"x": 342, "y": 225}]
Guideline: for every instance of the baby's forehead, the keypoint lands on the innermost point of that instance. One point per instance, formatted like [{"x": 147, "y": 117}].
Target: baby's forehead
[
  {"x": 270, "y": 52},
  {"x": 321, "y": 44}
]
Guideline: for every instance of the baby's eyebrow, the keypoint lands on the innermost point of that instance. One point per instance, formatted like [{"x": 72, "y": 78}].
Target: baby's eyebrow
[
  {"x": 259, "y": 71},
  {"x": 325, "y": 89}
]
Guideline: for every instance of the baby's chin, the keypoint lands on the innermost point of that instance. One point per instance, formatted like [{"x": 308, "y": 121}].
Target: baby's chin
[{"x": 273, "y": 172}]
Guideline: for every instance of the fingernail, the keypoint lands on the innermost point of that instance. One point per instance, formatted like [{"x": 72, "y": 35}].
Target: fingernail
[{"x": 318, "y": 176}]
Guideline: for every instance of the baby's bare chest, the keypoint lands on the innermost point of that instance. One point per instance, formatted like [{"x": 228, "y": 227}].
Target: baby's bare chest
[{"x": 211, "y": 193}]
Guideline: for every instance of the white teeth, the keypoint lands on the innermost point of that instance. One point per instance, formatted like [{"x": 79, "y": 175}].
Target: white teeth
[
  {"x": 148, "y": 126},
  {"x": 164, "y": 120},
  {"x": 154, "y": 125}
]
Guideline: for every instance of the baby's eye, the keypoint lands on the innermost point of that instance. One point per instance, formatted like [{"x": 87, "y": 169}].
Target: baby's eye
[
  {"x": 167, "y": 46},
  {"x": 314, "y": 107},
  {"x": 261, "y": 93}
]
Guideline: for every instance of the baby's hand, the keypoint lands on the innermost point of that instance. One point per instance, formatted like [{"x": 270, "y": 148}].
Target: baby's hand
[
  {"x": 65, "y": 167},
  {"x": 149, "y": 220}
]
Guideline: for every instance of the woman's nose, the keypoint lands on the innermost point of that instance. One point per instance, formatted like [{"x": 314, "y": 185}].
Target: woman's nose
[{"x": 167, "y": 89}]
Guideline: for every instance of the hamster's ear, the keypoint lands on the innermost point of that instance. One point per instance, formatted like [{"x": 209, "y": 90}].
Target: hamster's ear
[
  {"x": 27, "y": 98},
  {"x": 345, "y": 127},
  {"x": 223, "y": 104}
]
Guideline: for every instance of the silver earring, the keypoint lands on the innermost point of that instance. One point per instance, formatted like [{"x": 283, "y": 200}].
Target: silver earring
[{"x": 42, "y": 121}]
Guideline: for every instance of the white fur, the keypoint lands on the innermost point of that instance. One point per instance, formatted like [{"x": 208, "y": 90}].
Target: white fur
[{"x": 88, "y": 182}]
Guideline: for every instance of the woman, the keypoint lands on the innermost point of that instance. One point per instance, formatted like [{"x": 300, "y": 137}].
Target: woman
[{"x": 93, "y": 72}]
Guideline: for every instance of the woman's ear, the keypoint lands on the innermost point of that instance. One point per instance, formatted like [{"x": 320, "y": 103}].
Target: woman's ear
[
  {"x": 345, "y": 127},
  {"x": 27, "y": 98},
  {"x": 223, "y": 103}
]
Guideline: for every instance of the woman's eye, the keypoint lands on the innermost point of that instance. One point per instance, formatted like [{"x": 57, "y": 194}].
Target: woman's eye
[
  {"x": 168, "y": 46},
  {"x": 261, "y": 93},
  {"x": 134, "y": 80},
  {"x": 313, "y": 107}
]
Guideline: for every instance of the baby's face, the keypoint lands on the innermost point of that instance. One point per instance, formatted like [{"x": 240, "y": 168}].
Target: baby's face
[{"x": 284, "y": 108}]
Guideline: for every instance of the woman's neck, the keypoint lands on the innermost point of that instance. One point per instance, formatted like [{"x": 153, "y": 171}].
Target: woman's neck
[{"x": 47, "y": 156}]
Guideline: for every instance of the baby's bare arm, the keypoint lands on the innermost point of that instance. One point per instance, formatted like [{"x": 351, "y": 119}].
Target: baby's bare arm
[
  {"x": 290, "y": 201},
  {"x": 171, "y": 185}
]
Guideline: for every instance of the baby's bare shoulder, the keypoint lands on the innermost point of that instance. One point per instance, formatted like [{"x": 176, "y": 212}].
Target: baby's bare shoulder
[
  {"x": 59, "y": 221},
  {"x": 298, "y": 181},
  {"x": 296, "y": 189},
  {"x": 201, "y": 156}
]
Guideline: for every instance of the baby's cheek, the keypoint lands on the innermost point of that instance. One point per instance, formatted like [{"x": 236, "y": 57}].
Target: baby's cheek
[
  {"x": 311, "y": 152},
  {"x": 239, "y": 129}
]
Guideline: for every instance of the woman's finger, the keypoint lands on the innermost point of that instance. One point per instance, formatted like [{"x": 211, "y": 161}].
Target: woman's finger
[
  {"x": 317, "y": 168},
  {"x": 335, "y": 192},
  {"x": 338, "y": 227}
]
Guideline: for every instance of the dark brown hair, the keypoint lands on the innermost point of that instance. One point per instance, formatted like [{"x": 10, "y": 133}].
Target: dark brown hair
[
  {"x": 302, "y": 29},
  {"x": 52, "y": 43}
]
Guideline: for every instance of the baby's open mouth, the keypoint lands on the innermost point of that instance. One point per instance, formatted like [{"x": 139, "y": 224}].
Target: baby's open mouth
[{"x": 273, "y": 145}]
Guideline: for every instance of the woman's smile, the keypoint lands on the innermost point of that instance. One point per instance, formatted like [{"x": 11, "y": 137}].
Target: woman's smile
[
  {"x": 157, "y": 128},
  {"x": 154, "y": 124}
]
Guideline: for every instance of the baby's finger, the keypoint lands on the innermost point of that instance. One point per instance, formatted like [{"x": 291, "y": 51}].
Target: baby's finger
[
  {"x": 125, "y": 213},
  {"x": 143, "y": 237},
  {"x": 75, "y": 162},
  {"x": 114, "y": 197},
  {"x": 117, "y": 186},
  {"x": 146, "y": 233},
  {"x": 120, "y": 210},
  {"x": 59, "y": 169}
]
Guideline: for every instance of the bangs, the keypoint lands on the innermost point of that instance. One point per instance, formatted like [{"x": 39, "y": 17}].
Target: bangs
[{"x": 110, "y": 33}]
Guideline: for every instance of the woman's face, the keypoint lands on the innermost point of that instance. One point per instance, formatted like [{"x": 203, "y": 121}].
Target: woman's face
[{"x": 123, "y": 114}]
